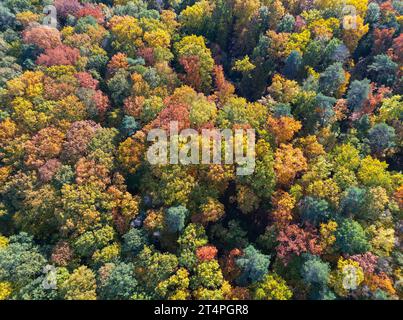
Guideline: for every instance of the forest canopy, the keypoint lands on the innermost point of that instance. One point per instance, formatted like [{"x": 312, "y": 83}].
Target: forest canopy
[{"x": 85, "y": 216}]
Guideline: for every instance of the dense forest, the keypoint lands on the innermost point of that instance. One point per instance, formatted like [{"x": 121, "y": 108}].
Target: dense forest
[{"x": 85, "y": 216}]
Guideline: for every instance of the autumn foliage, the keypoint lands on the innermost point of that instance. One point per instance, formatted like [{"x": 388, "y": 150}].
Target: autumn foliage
[{"x": 320, "y": 215}]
